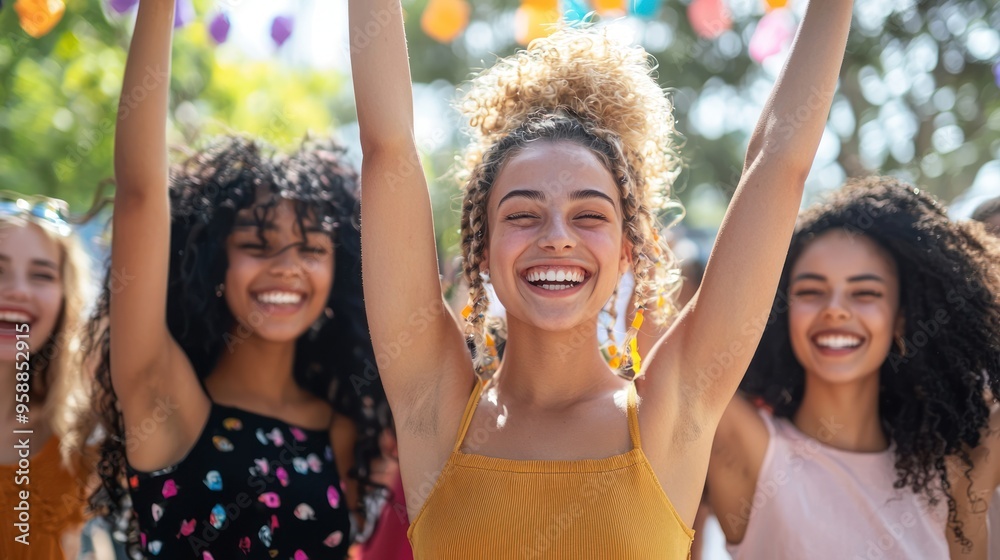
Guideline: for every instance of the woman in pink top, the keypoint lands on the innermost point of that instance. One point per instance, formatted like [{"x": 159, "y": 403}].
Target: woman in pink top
[{"x": 883, "y": 334}]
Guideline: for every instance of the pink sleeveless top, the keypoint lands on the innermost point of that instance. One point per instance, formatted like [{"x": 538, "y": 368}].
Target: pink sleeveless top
[{"x": 817, "y": 502}]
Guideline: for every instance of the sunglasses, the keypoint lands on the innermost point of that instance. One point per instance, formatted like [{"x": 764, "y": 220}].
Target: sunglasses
[{"x": 47, "y": 212}]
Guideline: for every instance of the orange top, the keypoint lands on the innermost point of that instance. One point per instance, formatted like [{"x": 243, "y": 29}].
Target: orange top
[
  {"x": 496, "y": 509},
  {"x": 55, "y": 504}
]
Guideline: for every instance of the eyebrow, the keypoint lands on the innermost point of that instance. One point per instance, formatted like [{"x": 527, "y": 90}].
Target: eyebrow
[
  {"x": 821, "y": 278},
  {"x": 37, "y": 262},
  {"x": 539, "y": 196}
]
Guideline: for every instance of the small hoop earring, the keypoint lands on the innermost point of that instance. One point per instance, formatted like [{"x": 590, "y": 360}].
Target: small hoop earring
[
  {"x": 901, "y": 343},
  {"x": 220, "y": 289}
]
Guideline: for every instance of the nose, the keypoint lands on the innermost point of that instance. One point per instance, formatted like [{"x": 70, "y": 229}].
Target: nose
[
  {"x": 556, "y": 236},
  {"x": 837, "y": 307},
  {"x": 14, "y": 287},
  {"x": 287, "y": 262}
]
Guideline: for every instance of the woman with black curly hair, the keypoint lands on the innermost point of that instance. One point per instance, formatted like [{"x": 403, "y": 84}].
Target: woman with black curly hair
[
  {"x": 231, "y": 337},
  {"x": 883, "y": 334}
]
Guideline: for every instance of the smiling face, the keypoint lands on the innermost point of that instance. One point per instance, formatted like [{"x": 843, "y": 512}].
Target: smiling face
[
  {"x": 844, "y": 307},
  {"x": 279, "y": 286},
  {"x": 31, "y": 289},
  {"x": 556, "y": 249}
]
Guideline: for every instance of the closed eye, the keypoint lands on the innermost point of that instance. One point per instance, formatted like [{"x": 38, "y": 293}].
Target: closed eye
[
  {"x": 592, "y": 217},
  {"x": 801, "y": 293},
  {"x": 868, "y": 294},
  {"x": 519, "y": 216}
]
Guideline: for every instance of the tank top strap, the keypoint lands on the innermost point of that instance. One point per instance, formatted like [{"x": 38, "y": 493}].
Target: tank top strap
[
  {"x": 470, "y": 409},
  {"x": 633, "y": 417}
]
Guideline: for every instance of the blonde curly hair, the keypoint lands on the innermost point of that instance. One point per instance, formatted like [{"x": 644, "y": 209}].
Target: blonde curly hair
[{"x": 581, "y": 86}]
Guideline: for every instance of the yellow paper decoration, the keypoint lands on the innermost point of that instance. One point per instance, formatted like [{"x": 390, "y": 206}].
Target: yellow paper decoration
[
  {"x": 466, "y": 311},
  {"x": 775, "y": 4},
  {"x": 445, "y": 20},
  {"x": 38, "y": 17},
  {"x": 633, "y": 347},
  {"x": 535, "y": 19},
  {"x": 637, "y": 320}
]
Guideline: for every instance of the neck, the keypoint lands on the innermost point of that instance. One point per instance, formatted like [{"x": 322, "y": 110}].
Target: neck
[
  {"x": 550, "y": 368},
  {"x": 843, "y": 415},
  {"x": 255, "y": 368}
]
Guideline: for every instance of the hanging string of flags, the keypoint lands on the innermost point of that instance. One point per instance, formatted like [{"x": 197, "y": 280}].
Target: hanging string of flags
[{"x": 446, "y": 20}]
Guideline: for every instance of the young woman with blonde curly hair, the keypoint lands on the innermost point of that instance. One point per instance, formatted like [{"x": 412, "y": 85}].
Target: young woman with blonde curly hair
[
  {"x": 44, "y": 286},
  {"x": 571, "y": 161}
]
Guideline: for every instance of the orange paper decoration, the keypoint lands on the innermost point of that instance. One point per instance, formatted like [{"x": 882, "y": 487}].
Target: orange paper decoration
[
  {"x": 609, "y": 6},
  {"x": 775, "y": 4},
  {"x": 38, "y": 17},
  {"x": 535, "y": 19},
  {"x": 445, "y": 20}
]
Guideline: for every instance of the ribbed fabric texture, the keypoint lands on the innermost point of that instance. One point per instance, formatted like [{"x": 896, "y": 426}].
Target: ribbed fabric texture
[
  {"x": 487, "y": 508},
  {"x": 822, "y": 503}
]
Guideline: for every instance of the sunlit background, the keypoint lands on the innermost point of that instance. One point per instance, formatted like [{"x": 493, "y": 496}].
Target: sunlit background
[{"x": 919, "y": 94}]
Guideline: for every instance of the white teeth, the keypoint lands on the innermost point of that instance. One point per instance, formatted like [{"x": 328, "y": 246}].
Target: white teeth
[
  {"x": 555, "y": 287},
  {"x": 14, "y": 317},
  {"x": 279, "y": 298},
  {"x": 556, "y": 275},
  {"x": 838, "y": 341}
]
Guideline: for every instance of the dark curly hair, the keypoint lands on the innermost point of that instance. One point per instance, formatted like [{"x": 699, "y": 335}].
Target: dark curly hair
[
  {"x": 931, "y": 399},
  {"x": 207, "y": 190}
]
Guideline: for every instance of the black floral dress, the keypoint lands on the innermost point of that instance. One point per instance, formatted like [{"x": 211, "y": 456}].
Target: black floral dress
[{"x": 251, "y": 487}]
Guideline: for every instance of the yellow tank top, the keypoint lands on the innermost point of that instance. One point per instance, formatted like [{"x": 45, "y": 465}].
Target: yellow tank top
[{"x": 487, "y": 508}]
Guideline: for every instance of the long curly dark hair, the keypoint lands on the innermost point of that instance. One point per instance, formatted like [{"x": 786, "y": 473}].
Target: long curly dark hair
[
  {"x": 932, "y": 398},
  {"x": 207, "y": 190}
]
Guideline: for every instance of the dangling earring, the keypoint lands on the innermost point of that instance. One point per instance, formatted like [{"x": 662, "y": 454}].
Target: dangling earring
[
  {"x": 318, "y": 325},
  {"x": 220, "y": 289},
  {"x": 901, "y": 343}
]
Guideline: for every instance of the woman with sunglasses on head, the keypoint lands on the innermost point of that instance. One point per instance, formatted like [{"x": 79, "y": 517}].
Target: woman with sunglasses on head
[
  {"x": 229, "y": 338},
  {"x": 883, "y": 334},
  {"x": 44, "y": 286},
  {"x": 572, "y": 158}
]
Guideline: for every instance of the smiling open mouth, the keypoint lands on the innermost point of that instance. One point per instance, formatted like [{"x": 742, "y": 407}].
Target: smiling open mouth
[
  {"x": 555, "y": 278},
  {"x": 276, "y": 297},
  {"x": 838, "y": 341}
]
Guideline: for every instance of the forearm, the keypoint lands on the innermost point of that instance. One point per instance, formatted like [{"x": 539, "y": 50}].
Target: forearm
[
  {"x": 791, "y": 125},
  {"x": 140, "y": 137},
  {"x": 381, "y": 73}
]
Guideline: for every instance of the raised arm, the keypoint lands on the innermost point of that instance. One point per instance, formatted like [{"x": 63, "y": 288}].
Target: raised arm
[
  {"x": 147, "y": 368},
  {"x": 409, "y": 321},
  {"x": 710, "y": 346}
]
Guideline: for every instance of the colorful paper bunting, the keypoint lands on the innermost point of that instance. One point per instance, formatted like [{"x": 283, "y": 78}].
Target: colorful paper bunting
[
  {"x": 646, "y": 9},
  {"x": 535, "y": 19},
  {"x": 219, "y": 28},
  {"x": 709, "y": 18},
  {"x": 122, "y": 6},
  {"x": 38, "y": 17},
  {"x": 183, "y": 13},
  {"x": 774, "y": 33},
  {"x": 445, "y": 20},
  {"x": 281, "y": 29}
]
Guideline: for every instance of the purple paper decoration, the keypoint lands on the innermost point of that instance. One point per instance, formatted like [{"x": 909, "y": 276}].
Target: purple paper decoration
[
  {"x": 996, "y": 73},
  {"x": 219, "y": 28},
  {"x": 183, "y": 13},
  {"x": 122, "y": 6},
  {"x": 281, "y": 29}
]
